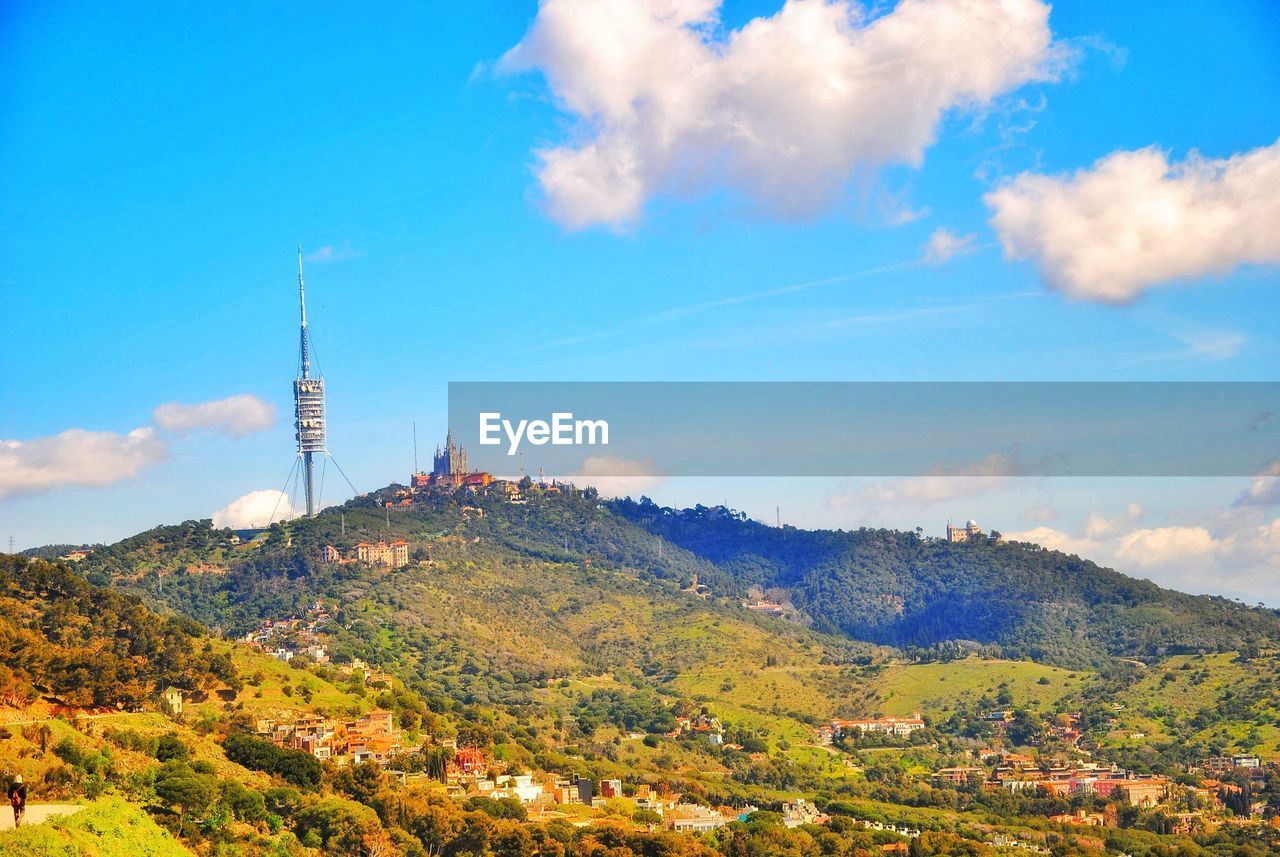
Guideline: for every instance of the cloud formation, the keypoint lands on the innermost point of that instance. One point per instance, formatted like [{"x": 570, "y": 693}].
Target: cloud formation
[
  {"x": 1233, "y": 551},
  {"x": 255, "y": 509},
  {"x": 92, "y": 459},
  {"x": 944, "y": 244},
  {"x": 239, "y": 416},
  {"x": 1264, "y": 490},
  {"x": 785, "y": 110},
  {"x": 946, "y": 483},
  {"x": 1134, "y": 220},
  {"x": 617, "y": 477},
  {"x": 77, "y": 457}
]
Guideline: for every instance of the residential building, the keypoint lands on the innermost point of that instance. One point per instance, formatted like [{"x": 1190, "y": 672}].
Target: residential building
[
  {"x": 885, "y": 725},
  {"x": 958, "y": 776},
  {"x": 695, "y": 818},
  {"x": 393, "y": 554},
  {"x": 172, "y": 699}
]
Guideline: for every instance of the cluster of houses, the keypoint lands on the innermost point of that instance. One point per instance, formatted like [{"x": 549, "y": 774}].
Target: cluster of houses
[
  {"x": 1017, "y": 772},
  {"x": 1067, "y": 729},
  {"x": 839, "y": 728},
  {"x": 703, "y": 724},
  {"x": 1225, "y": 764},
  {"x": 285, "y": 639},
  {"x": 1021, "y": 773},
  {"x": 373, "y": 737}
]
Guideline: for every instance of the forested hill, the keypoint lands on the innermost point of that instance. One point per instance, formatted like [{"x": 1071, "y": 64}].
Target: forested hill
[
  {"x": 900, "y": 589},
  {"x": 84, "y": 645},
  {"x": 878, "y": 586}
]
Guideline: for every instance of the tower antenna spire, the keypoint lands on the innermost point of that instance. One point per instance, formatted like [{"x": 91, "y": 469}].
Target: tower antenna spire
[{"x": 304, "y": 355}]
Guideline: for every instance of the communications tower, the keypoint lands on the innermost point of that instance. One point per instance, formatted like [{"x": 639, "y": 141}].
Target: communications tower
[
  {"x": 308, "y": 403},
  {"x": 308, "y": 417}
]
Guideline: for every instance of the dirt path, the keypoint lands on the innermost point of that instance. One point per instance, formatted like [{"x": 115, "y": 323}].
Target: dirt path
[{"x": 36, "y": 813}]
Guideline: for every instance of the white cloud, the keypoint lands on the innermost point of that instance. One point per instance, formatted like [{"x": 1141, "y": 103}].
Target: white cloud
[
  {"x": 1057, "y": 540},
  {"x": 945, "y": 483},
  {"x": 255, "y": 509},
  {"x": 1134, "y": 220},
  {"x": 1156, "y": 546},
  {"x": 1099, "y": 526},
  {"x": 77, "y": 457},
  {"x": 1235, "y": 551},
  {"x": 1264, "y": 490},
  {"x": 785, "y": 110},
  {"x": 617, "y": 477},
  {"x": 944, "y": 244},
  {"x": 235, "y": 415}
]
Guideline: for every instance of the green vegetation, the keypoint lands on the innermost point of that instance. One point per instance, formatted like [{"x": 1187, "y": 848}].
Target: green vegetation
[
  {"x": 90, "y": 646},
  {"x": 108, "y": 827},
  {"x": 561, "y": 635},
  {"x": 1016, "y": 600}
]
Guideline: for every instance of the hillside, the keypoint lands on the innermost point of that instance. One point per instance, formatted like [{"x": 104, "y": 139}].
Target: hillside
[
  {"x": 880, "y": 587},
  {"x": 88, "y": 646},
  {"x": 561, "y": 637},
  {"x": 900, "y": 589}
]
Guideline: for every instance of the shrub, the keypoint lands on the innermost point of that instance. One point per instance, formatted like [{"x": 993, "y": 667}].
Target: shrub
[{"x": 170, "y": 748}]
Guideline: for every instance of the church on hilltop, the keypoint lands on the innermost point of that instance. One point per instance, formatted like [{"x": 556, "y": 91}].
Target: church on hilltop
[
  {"x": 450, "y": 460},
  {"x": 449, "y": 469}
]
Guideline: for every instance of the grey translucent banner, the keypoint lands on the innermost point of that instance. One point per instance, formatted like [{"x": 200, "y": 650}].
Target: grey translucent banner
[{"x": 868, "y": 429}]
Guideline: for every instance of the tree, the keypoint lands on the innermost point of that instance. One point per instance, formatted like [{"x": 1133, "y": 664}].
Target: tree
[
  {"x": 170, "y": 748},
  {"x": 183, "y": 789}
]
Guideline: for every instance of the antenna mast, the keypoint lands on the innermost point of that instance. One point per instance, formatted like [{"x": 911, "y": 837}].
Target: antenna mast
[{"x": 308, "y": 402}]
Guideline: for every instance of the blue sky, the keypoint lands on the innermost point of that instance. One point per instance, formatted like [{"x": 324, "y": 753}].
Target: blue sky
[{"x": 160, "y": 164}]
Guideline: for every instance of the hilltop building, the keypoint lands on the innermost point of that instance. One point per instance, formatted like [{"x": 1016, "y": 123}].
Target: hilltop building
[
  {"x": 963, "y": 534},
  {"x": 394, "y": 554},
  {"x": 450, "y": 460},
  {"x": 449, "y": 469}
]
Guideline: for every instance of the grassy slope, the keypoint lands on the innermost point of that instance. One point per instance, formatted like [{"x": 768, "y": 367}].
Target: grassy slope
[
  {"x": 21, "y": 754},
  {"x": 1165, "y": 709},
  {"x": 937, "y": 688},
  {"x": 109, "y": 827}
]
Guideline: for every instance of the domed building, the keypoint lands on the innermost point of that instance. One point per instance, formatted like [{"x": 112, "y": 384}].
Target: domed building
[{"x": 963, "y": 534}]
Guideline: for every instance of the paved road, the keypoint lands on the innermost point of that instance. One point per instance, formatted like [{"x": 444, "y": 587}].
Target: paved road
[{"x": 36, "y": 813}]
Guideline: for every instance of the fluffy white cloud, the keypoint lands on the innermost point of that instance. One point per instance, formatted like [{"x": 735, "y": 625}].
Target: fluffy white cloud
[
  {"x": 255, "y": 509},
  {"x": 1134, "y": 220},
  {"x": 1264, "y": 490},
  {"x": 1057, "y": 540},
  {"x": 944, "y": 244},
  {"x": 1235, "y": 551},
  {"x": 1099, "y": 526},
  {"x": 617, "y": 477},
  {"x": 1156, "y": 547},
  {"x": 945, "y": 483},
  {"x": 785, "y": 110},
  {"x": 77, "y": 458},
  {"x": 235, "y": 415}
]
